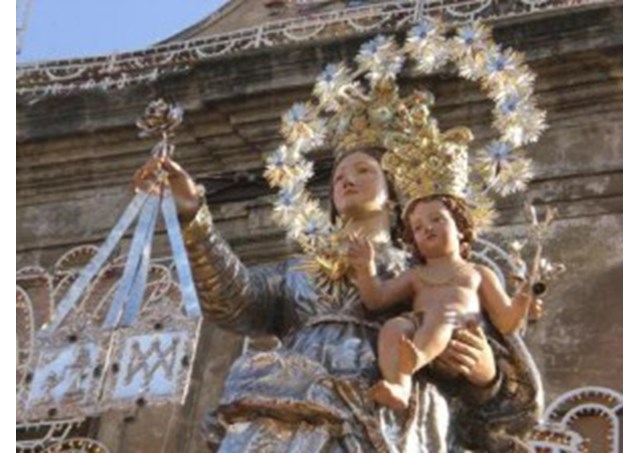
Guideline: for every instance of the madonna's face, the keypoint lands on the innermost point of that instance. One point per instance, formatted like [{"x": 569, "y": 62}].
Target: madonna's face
[{"x": 359, "y": 187}]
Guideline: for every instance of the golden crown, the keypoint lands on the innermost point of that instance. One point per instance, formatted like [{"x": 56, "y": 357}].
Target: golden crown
[{"x": 419, "y": 159}]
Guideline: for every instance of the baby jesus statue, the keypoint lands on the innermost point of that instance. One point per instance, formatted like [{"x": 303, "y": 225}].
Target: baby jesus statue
[{"x": 447, "y": 290}]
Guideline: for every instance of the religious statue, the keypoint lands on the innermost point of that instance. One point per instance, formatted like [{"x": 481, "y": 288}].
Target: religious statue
[{"x": 482, "y": 391}]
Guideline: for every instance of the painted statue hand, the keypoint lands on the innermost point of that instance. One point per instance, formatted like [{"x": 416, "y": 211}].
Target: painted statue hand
[
  {"x": 361, "y": 255},
  {"x": 147, "y": 178},
  {"x": 536, "y": 310},
  {"x": 469, "y": 354},
  {"x": 182, "y": 185},
  {"x": 535, "y": 306},
  {"x": 184, "y": 189}
]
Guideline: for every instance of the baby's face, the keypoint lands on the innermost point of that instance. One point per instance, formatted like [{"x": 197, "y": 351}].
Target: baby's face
[{"x": 434, "y": 230}]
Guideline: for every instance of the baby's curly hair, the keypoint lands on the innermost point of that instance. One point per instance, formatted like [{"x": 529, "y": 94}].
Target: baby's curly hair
[{"x": 461, "y": 215}]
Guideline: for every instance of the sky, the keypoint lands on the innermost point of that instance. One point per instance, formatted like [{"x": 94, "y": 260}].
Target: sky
[{"x": 60, "y": 29}]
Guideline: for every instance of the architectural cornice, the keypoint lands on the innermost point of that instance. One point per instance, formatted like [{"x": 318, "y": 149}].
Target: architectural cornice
[{"x": 121, "y": 70}]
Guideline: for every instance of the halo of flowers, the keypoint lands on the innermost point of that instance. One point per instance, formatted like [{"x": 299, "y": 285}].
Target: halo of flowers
[{"x": 429, "y": 45}]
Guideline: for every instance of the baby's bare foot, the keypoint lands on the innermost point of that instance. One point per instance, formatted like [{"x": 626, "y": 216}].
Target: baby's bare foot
[{"x": 394, "y": 396}]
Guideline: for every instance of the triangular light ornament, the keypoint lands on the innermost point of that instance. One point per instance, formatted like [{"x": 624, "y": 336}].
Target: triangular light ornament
[{"x": 125, "y": 330}]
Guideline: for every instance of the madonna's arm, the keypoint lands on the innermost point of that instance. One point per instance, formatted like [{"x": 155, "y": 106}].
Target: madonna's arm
[{"x": 244, "y": 300}]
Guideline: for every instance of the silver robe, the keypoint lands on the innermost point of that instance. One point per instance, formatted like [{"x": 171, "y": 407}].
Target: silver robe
[{"x": 310, "y": 394}]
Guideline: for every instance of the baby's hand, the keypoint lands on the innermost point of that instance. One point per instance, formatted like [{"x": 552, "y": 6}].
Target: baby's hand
[
  {"x": 361, "y": 255},
  {"x": 536, "y": 310},
  {"x": 534, "y": 305}
]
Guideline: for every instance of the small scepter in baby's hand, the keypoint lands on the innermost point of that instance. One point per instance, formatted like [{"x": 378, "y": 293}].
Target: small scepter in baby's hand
[{"x": 535, "y": 277}]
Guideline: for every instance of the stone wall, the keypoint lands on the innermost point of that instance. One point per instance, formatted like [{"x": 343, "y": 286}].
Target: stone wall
[{"x": 76, "y": 156}]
